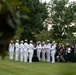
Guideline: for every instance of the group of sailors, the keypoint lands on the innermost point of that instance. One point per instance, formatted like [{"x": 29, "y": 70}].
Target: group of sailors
[{"x": 25, "y": 51}]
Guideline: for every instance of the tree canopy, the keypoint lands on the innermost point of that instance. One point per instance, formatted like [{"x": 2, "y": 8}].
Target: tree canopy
[
  {"x": 9, "y": 20},
  {"x": 37, "y": 15},
  {"x": 62, "y": 16}
]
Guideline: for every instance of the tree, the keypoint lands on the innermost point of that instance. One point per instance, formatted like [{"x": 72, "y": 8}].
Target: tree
[
  {"x": 9, "y": 20},
  {"x": 18, "y": 32},
  {"x": 43, "y": 36},
  {"x": 38, "y": 14},
  {"x": 62, "y": 15}
]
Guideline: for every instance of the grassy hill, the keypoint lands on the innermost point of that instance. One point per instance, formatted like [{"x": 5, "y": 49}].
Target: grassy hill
[{"x": 11, "y": 67}]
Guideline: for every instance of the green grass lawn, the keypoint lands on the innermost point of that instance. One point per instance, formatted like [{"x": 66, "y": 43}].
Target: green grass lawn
[{"x": 11, "y": 67}]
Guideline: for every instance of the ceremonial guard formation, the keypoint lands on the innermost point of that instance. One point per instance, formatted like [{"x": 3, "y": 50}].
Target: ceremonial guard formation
[{"x": 45, "y": 51}]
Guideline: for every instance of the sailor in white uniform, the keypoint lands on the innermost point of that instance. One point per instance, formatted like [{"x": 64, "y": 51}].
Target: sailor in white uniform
[
  {"x": 31, "y": 51},
  {"x": 17, "y": 47},
  {"x": 43, "y": 48},
  {"x": 53, "y": 50},
  {"x": 48, "y": 47},
  {"x": 38, "y": 47},
  {"x": 21, "y": 51},
  {"x": 25, "y": 50},
  {"x": 11, "y": 49}
]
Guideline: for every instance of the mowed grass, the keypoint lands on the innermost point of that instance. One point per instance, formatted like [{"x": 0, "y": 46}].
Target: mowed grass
[{"x": 12, "y": 67}]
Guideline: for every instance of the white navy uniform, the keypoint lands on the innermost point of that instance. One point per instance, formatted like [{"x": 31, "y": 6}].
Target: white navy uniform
[
  {"x": 21, "y": 52},
  {"x": 43, "y": 48},
  {"x": 38, "y": 47},
  {"x": 11, "y": 50},
  {"x": 48, "y": 47},
  {"x": 53, "y": 50},
  {"x": 17, "y": 47},
  {"x": 31, "y": 51},
  {"x": 25, "y": 51}
]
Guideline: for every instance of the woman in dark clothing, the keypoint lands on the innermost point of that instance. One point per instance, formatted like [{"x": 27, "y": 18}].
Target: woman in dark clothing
[
  {"x": 72, "y": 52},
  {"x": 75, "y": 54},
  {"x": 61, "y": 54}
]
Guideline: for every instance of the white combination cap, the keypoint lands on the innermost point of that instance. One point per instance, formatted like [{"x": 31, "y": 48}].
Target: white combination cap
[
  {"x": 11, "y": 40},
  {"x": 53, "y": 42},
  {"x": 48, "y": 40},
  {"x": 31, "y": 41},
  {"x": 43, "y": 42},
  {"x": 17, "y": 40},
  {"x": 26, "y": 40},
  {"x": 21, "y": 41},
  {"x": 39, "y": 41}
]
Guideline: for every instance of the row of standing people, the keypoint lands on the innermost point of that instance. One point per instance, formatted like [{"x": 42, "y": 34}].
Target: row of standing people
[
  {"x": 21, "y": 49},
  {"x": 66, "y": 52},
  {"x": 26, "y": 50}
]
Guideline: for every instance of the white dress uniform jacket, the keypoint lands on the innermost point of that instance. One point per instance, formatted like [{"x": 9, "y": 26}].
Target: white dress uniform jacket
[
  {"x": 53, "y": 50},
  {"x": 48, "y": 47},
  {"x": 31, "y": 51},
  {"x": 17, "y": 47},
  {"x": 43, "y": 48},
  {"x": 11, "y": 50},
  {"x": 38, "y": 47},
  {"x": 25, "y": 51},
  {"x": 21, "y": 52}
]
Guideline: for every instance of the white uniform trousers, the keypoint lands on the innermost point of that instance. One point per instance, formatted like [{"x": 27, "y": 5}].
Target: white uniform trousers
[
  {"x": 38, "y": 54},
  {"x": 25, "y": 55},
  {"x": 43, "y": 55},
  {"x": 53, "y": 56},
  {"x": 17, "y": 55},
  {"x": 11, "y": 54},
  {"x": 30, "y": 56},
  {"x": 21, "y": 56},
  {"x": 48, "y": 55}
]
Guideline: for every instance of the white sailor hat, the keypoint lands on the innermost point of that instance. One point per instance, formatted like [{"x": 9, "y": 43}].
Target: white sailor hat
[
  {"x": 11, "y": 40},
  {"x": 67, "y": 43},
  {"x": 26, "y": 40},
  {"x": 21, "y": 41},
  {"x": 39, "y": 41},
  {"x": 31, "y": 41},
  {"x": 43, "y": 42},
  {"x": 48, "y": 40},
  {"x": 53, "y": 42},
  {"x": 17, "y": 40}
]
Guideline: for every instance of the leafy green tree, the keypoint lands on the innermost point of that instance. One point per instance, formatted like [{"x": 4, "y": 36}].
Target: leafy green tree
[
  {"x": 43, "y": 36},
  {"x": 37, "y": 15},
  {"x": 62, "y": 16},
  {"x": 18, "y": 32},
  {"x": 9, "y": 20},
  {"x": 19, "y": 7}
]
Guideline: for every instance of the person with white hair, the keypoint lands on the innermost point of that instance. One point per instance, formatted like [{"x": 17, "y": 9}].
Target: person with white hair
[
  {"x": 31, "y": 51},
  {"x": 21, "y": 51},
  {"x": 11, "y": 49},
  {"x": 17, "y": 46},
  {"x": 38, "y": 47},
  {"x": 53, "y": 50},
  {"x": 25, "y": 50},
  {"x": 43, "y": 49},
  {"x": 48, "y": 46}
]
